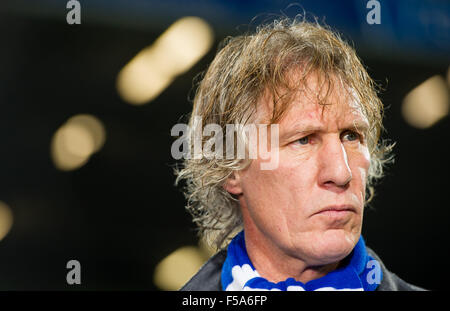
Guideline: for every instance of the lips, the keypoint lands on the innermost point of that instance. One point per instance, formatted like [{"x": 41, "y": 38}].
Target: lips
[{"x": 336, "y": 209}]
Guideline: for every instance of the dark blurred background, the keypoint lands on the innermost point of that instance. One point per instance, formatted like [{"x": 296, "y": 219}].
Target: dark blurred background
[{"x": 117, "y": 210}]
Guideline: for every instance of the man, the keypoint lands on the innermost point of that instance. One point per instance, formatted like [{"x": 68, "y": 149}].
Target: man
[{"x": 297, "y": 225}]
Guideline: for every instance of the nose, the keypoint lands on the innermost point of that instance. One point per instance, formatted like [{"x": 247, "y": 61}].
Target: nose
[{"x": 334, "y": 171}]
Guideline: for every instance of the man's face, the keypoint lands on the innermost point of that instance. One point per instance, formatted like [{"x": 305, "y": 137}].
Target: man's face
[{"x": 310, "y": 207}]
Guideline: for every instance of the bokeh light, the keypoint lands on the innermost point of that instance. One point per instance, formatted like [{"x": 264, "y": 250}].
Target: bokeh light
[
  {"x": 182, "y": 45},
  {"x": 427, "y": 103},
  {"x": 75, "y": 141},
  {"x": 6, "y": 219}
]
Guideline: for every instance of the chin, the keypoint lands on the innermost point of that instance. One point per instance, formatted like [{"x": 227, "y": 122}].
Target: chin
[{"x": 333, "y": 246}]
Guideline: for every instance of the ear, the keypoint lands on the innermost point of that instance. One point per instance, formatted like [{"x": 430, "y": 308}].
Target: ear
[{"x": 233, "y": 184}]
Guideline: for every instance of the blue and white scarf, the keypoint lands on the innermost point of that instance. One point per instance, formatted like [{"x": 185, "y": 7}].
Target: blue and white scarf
[{"x": 239, "y": 274}]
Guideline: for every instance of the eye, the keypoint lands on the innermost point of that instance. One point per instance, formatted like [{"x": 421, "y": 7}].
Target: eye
[
  {"x": 351, "y": 136},
  {"x": 303, "y": 140}
]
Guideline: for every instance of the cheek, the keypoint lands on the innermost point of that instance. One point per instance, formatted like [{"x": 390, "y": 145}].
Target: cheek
[
  {"x": 361, "y": 158},
  {"x": 256, "y": 182},
  {"x": 360, "y": 168},
  {"x": 365, "y": 161},
  {"x": 278, "y": 187}
]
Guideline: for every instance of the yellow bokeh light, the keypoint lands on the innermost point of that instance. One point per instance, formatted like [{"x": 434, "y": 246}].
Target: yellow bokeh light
[
  {"x": 427, "y": 103},
  {"x": 153, "y": 69},
  {"x": 75, "y": 141},
  {"x": 92, "y": 125},
  {"x": 6, "y": 219},
  {"x": 177, "y": 268}
]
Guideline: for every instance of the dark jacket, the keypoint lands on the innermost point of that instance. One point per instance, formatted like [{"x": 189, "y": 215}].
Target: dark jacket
[{"x": 208, "y": 277}]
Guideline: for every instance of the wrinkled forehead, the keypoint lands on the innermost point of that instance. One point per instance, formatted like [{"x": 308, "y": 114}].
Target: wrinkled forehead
[{"x": 323, "y": 97}]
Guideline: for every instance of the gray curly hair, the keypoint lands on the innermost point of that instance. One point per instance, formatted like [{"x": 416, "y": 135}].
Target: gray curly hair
[{"x": 244, "y": 69}]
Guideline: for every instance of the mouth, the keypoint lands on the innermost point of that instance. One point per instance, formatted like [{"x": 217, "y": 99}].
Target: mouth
[{"x": 336, "y": 210}]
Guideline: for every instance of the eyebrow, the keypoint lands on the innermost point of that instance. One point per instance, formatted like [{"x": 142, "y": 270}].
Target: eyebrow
[{"x": 358, "y": 125}]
